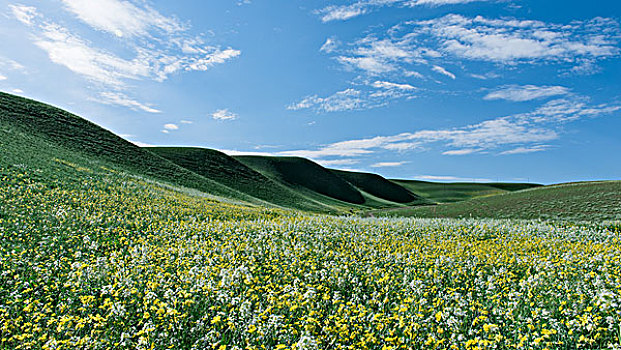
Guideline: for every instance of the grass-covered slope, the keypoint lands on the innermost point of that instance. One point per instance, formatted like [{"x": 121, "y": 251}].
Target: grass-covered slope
[
  {"x": 590, "y": 201},
  {"x": 225, "y": 169},
  {"x": 458, "y": 191},
  {"x": 34, "y": 131},
  {"x": 301, "y": 173},
  {"x": 379, "y": 187}
]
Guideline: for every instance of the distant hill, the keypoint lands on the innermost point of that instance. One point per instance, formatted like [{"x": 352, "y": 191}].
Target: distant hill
[
  {"x": 458, "y": 191},
  {"x": 590, "y": 201}
]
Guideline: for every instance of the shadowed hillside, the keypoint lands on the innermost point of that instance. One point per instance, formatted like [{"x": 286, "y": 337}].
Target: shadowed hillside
[
  {"x": 379, "y": 187},
  {"x": 302, "y": 173},
  {"x": 225, "y": 169}
]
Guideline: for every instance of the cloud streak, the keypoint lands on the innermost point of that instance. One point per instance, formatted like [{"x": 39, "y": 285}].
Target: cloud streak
[{"x": 516, "y": 93}]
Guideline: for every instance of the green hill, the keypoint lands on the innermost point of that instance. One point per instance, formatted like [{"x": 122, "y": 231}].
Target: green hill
[
  {"x": 303, "y": 174},
  {"x": 458, "y": 191},
  {"x": 37, "y": 134},
  {"x": 588, "y": 201},
  {"x": 379, "y": 187},
  {"x": 226, "y": 170}
]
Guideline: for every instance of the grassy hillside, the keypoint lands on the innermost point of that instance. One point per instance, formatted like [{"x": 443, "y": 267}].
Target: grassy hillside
[
  {"x": 225, "y": 169},
  {"x": 33, "y": 131},
  {"x": 301, "y": 173},
  {"x": 379, "y": 187},
  {"x": 458, "y": 191},
  {"x": 590, "y": 201}
]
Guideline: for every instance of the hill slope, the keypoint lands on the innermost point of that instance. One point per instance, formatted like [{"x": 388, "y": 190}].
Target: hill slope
[
  {"x": 458, "y": 191},
  {"x": 301, "y": 173},
  {"x": 590, "y": 201},
  {"x": 379, "y": 187},
  {"x": 225, "y": 169},
  {"x": 31, "y": 131}
]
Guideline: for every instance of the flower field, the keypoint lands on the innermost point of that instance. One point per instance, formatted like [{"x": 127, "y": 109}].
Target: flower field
[{"x": 115, "y": 262}]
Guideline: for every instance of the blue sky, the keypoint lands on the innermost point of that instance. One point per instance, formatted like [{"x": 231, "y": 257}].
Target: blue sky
[{"x": 446, "y": 90}]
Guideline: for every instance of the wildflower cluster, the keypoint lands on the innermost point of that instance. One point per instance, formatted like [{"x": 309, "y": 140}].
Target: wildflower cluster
[{"x": 115, "y": 262}]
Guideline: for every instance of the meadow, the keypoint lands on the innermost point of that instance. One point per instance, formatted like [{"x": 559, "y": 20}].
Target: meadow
[{"x": 101, "y": 259}]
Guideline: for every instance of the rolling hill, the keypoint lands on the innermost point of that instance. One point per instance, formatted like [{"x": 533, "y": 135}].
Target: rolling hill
[
  {"x": 37, "y": 134},
  {"x": 582, "y": 201},
  {"x": 227, "y": 170},
  {"x": 458, "y": 191},
  {"x": 379, "y": 187}
]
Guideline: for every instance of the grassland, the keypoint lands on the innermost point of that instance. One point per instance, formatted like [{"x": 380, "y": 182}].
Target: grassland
[
  {"x": 581, "y": 201},
  {"x": 458, "y": 191},
  {"x": 98, "y": 253}
]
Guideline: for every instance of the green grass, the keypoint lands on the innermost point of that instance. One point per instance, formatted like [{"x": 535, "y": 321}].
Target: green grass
[
  {"x": 380, "y": 187},
  {"x": 53, "y": 133},
  {"x": 581, "y": 201},
  {"x": 458, "y": 191}
]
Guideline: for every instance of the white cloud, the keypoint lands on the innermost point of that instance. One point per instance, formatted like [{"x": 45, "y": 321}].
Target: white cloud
[
  {"x": 330, "y": 45},
  {"x": 576, "y": 47},
  {"x": 461, "y": 152},
  {"x": 120, "y": 99},
  {"x": 526, "y": 92},
  {"x": 24, "y": 14},
  {"x": 389, "y": 85},
  {"x": 122, "y": 18},
  {"x": 18, "y": 91},
  {"x": 522, "y": 150},
  {"x": 335, "y": 162},
  {"x": 526, "y": 130},
  {"x": 171, "y": 126},
  {"x": 443, "y": 71},
  {"x": 10, "y": 64},
  {"x": 2, "y": 77},
  {"x": 154, "y": 46},
  {"x": 388, "y": 164},
  {"x": 186, "y": 122},
  {"x": 360, "y": 7},
  {"x": 374, "y": 95},
  {"x": 224, "y": 114}
]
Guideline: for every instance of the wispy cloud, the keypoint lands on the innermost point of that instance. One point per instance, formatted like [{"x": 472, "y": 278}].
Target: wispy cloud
[
  {"x": 526, "y": 93},
  {"x": 337, "y": 162},
  {"x": 224, "y": 114},
  {"x": 24, "y": 14},
  {"x": 368, "y": 96},
  {"x": 171, "y": 126},
  {"x": 122, "y": 18},
  {"x": 505, "y": 135},
  {"x": 410, "y": 45},
  {"x": 443, "y": 71},
  {"x": 388, "y": 164},
  {"x": 330, "y": 45},
  {"x": 360, "y": 7},
  {"x": 120, "y": 99},
  {"x": 154, "y": 46},
  {"x": 522, "y": 150}
]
